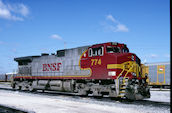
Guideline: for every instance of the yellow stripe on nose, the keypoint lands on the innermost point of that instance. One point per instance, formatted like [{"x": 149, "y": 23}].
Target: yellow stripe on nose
[{"x": 115, "y": 66}]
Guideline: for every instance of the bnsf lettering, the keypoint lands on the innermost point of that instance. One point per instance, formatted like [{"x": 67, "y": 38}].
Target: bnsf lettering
[{"x": 51, "y": 67}]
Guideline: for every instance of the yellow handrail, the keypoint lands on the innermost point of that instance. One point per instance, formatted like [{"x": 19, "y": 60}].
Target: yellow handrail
[
  {"x": 127, "y": 72},
  {"x": 120, "y": 73},
  {"x": 131, "y": 65}
]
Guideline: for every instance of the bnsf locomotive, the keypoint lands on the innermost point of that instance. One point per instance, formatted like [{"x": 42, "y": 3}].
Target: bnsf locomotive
[{"x": 98, "y": 70}]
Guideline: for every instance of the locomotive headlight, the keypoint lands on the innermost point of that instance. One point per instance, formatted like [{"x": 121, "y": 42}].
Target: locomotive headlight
[
  {"x": 134, "y": 74},
  {"x": 112, "y": 73}
]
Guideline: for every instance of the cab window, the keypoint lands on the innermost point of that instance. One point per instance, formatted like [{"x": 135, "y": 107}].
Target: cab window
[
  {"x": 96, "y": 51},
  {"x": 125, "y": 50},
  {"x": 90, "y": 52},
  {"x": 111, "y": 49}
]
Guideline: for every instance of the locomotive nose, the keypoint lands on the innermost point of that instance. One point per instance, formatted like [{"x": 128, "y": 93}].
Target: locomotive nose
[{"x": 135, "y": 58}]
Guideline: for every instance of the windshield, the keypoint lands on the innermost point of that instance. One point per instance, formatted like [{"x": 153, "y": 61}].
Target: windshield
[
  {"x": 125, "y": 50},
  {"x": 111, "y": 49}
]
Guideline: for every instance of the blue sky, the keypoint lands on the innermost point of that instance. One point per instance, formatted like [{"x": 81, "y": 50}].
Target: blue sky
[{"x": 32, "y": 27}]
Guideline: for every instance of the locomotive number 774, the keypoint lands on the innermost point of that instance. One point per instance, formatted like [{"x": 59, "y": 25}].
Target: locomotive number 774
[{"x": 106, "y": 69}]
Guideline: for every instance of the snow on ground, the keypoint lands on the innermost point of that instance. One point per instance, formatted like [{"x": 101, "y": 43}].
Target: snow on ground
[
  {"x": 5, "y": 85},
  {"x": 69, "y": 104},
  {"x": 160, "y": 96}
]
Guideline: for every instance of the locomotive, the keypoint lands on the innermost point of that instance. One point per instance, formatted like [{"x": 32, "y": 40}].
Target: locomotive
[{"x": 105, "y": 69}]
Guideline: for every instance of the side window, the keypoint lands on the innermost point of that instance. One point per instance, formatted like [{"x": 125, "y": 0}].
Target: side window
[
  {"x": 96, "y": 51},
  {"x": 90, "y": 52},
  {"x": 100, "y": 51}
]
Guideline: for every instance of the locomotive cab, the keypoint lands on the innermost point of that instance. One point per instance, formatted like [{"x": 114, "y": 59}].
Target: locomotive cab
[
  {"x": 114, "y": 57},
  {"x": 115, "y": 48},
  {"x": 122, "y": 58}
]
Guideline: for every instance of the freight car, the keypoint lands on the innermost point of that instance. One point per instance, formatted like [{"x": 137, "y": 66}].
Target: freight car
[
  {"x": 159, "y": 74},
  {"x": 3, "y": 78},
  {"x": 101, "y": 69}
]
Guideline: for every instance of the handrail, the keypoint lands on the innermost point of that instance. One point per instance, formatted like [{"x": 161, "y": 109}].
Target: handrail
[
  {"x": 131, "y": 67},
  {"x": 127, "y": 72},
  {"x": 120, "y": 74}
]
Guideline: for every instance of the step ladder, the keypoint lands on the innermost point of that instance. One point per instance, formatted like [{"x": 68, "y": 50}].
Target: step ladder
[{"x": 122, "y": 87}]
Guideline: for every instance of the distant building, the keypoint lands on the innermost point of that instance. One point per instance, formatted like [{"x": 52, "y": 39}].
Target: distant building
[
  {"x": 7, "y": 76},
  {"x": 159, "y": 74}
]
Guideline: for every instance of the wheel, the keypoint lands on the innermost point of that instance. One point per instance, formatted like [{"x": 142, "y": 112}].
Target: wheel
[
  {"x": 13, "y": 85},
  {"x": 17, "y": 87},
  {"x": 23, "y": 88},
  {"x": 31, "y": 89}
]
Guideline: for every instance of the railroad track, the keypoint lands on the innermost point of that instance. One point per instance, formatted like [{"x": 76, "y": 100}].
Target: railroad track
[
  {"x": 5, "y": 109},
  {"x": 103, "y": 99}
]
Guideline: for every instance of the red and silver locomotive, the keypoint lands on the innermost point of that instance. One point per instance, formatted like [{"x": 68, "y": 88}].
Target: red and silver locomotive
[{"x": 101, "y": 69}]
